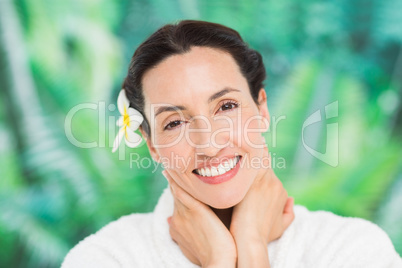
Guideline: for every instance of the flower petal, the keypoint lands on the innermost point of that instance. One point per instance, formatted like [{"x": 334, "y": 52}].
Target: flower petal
[
  {"x": 117, "y": 140},
  {"x": 135, "y": 118},
  {"x": 119, "y": 122},
  {"x": 122, "y": 101},
  {"x": 132, "y": 139}
]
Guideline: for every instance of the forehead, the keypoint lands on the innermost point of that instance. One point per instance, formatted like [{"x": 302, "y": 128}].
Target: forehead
[{"x": 192, "y": 77}]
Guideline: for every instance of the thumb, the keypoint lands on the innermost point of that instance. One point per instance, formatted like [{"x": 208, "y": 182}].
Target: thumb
[{"x": 288, "y": 212}]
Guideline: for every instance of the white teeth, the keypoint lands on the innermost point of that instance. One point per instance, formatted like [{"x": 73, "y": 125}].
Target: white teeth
[
  {"x": 214, "y": 171},
  {"x": 231, "y": 163},
  {"x": 219, "y": 170},
  {"x": 224, "y": 167}
]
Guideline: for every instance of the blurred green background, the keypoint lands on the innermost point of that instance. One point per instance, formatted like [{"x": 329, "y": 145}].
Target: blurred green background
[{"x": 55, "y": 55}]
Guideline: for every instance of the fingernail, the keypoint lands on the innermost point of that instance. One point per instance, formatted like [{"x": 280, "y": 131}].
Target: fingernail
[{"x": 169, "y": 219}]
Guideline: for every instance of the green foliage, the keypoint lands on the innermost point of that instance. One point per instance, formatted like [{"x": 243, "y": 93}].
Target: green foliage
[{"x": 53, "y": 193}]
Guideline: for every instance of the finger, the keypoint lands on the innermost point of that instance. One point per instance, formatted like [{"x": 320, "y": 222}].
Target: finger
[
  {"x": 284, "y": 199},
  {"x": 173, "y": 233},
  {"x": 288, "y": 215},
  {"x": 181, "y": 242},
  {"x": 289, "y": 205},
  {"x": 266, "y": 165},
  {"x": 179, "y": 193},
  {"x": 178, "y": 204},
  {"x": 174, "y": 229},
  {"x": 266, "y": 150},
  {"x": 283, "y": 221},
  {"x": 265, "y": 171},
  {"x": 280, "y": 201},
  {"x": 173, "y": 186},
  {"x": 189, "y": 255},
  {"x": 266, "y": 160},
  {"x": 276, "y": 229}
]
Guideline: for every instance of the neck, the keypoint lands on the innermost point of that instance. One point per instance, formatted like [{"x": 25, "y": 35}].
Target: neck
[{"x": 225, "y": 215}]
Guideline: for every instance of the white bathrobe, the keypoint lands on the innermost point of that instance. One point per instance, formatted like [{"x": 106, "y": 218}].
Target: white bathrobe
[{"x": 314, "y": 239}]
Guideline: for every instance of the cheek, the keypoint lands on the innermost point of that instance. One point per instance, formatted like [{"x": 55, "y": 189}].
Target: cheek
[
  {"x": 168, "y": 138},
  {"x": 253, "y": 133},
  {"x": 250, "y": 132},
  {"x": 176, "y": 156}
]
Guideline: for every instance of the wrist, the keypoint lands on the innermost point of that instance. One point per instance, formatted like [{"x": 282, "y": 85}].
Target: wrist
[
  {"x": 222, "y": 263},
  {"x": 222, "y": 260},
  {"x": 250, "y": 238},
  {"x": 252, "y": 253}
]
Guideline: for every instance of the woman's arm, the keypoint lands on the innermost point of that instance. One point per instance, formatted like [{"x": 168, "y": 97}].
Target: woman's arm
[
  {"x": 200, "y": 234},
  {"x": 251, "y": 240},
  {"x": 251, "y": 253},
  {"x": 261, "y": 217}
]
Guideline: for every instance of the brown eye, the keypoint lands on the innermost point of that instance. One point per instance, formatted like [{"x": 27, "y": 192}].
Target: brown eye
[
  {"x": 172, "y": 124},
  {"x": 230, "y": 105}
]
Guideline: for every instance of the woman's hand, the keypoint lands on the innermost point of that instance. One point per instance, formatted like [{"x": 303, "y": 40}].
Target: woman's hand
[
  {"x": 200, "y": 234},
  {"x": 261, "y": 217}
]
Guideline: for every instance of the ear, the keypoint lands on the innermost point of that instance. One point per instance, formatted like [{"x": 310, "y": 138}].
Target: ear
[
  {"x": 263, "y": 109},
  {"x": 152, "y": 150}
]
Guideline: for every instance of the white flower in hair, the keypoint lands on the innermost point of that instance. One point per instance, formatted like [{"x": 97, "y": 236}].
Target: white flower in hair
[{"x": 129, "y": 121}]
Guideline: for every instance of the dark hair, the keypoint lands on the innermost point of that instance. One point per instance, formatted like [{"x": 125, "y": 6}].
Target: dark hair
[{"x": 173, "y": 39}]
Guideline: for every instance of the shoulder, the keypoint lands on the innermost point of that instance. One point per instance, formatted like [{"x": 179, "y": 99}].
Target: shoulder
[
  {"x": 343, "y": 241},
  {"x": 117, "y": 244}
]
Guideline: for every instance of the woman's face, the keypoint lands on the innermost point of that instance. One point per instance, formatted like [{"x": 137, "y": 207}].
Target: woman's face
[{"x": 214, "y": 121}]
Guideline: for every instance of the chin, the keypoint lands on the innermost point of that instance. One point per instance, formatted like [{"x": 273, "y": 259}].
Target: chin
[{"x": 225, "y": 200}]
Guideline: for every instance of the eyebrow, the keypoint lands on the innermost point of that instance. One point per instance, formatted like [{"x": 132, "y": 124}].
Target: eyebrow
[{"x": 218, "y": 94}]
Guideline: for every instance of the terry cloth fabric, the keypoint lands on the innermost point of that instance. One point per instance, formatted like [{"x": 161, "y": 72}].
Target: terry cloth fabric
[{"x": 314, "y": 239}]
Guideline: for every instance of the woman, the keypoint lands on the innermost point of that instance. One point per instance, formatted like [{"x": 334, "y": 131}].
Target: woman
[{"x": 196, "y": 88}]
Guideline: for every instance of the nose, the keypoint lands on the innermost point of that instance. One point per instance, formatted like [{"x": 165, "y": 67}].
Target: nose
[{"x": 208, "y": 137}]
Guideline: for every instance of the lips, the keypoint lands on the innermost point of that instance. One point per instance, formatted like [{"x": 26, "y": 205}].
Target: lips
[
  {"x": 227, "y": 174},
  {"x": 222, "y": 168}
]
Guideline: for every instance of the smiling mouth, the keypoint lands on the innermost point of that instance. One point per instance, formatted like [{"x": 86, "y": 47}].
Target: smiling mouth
[{"x": 218, "y": 170}]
